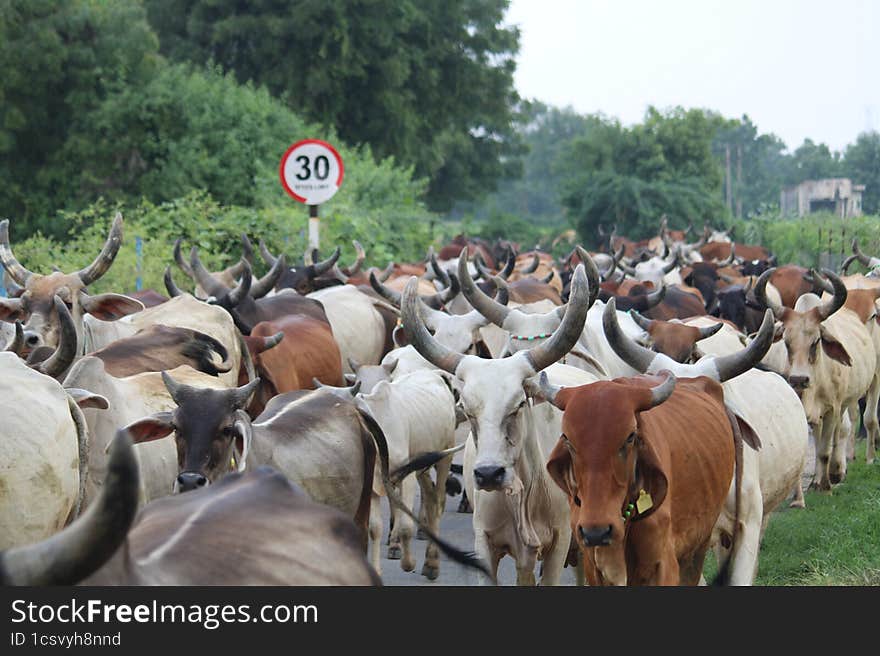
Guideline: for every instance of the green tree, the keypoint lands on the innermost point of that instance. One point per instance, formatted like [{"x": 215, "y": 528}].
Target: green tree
[
  {"x": 861, "y": 162},
  {"x": 812, "y": 161},
  {"x": 429, "y": 83},
  {"x": 59, "y": 59}
]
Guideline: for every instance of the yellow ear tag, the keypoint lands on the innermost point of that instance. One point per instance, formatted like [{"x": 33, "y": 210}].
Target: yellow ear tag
[
  {"x": 232, "y": 463},
  {"x": 644, "y": 502}
]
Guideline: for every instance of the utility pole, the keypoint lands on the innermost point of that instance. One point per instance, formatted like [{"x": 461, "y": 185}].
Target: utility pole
[
  {"x": 727, "y": 177},
  {"x": 739, "y": 175}
]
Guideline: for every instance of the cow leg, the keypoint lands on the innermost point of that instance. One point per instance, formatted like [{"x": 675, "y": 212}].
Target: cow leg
[
  {"x": 798, "y": 500},
  {"x": 487, "y": 554},
  {"x": 436, "y": 492},
  {"x": 554, "y": 559},
  {"x": 579, "y": 577},
  {"x": 464, "y": 506},
  {"x": 840, "y": 445},
  {"x": 376, "y": 532},
  {"x": 824, "y": 439},
  {"x": 404, "y": 525},
  {"x": 872, "y": 425}
]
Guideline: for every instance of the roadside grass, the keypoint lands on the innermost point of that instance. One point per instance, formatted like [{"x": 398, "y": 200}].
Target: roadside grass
[{"x": 834, "y": 541}]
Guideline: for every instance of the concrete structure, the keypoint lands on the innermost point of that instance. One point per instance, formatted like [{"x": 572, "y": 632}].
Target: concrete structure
[{"x": 837, "y": 195}]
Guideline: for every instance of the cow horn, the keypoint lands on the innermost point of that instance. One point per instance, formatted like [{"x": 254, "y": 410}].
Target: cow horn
[
  {"x": 569, "y": 331},
  {"x": 643, "y": 322},
  {"x": 480, "y": 265},
  {"x": 247, "y": 249},
  {"x": 667, "y": 268},
  {"x": 502, "y": 291},
  {"x": 309, "y": 255},
  {"x": 83, "y": 547},
  {"x": 839, "y": 290},
  {"x": 730, "y": 366},
  {"x": 544, "y": 387},
  {"x": 268, "y": 258},
  {"x": 708, "y": 331},
  {"x": 17, "y": 342},
  {"x": 201, "y": 275},
  {"x": 178, "y": 258},
  {"x": 441, "y": 275},
  {"x": 65, "y": 353},
  {"x": 818, "y": 281},
  {"x": 175, "y": 389},
  {"x": 265, "y": 284},
  {"x": 847, "y": 263},
  {"x": 241, "y": 395},
  {"x": 105, "y": 258},
  {"x": 418, "y": 335},
  {"x": 761, "y": 294},
  {"x": 482, "y": 303},
  {"x": 626, "y": 269},
  {"x": 864, "y": 259},
  {"x": 546, "y": 279},
  {"x": 271, "y": 342},
  {"x": 237, "y": 294},
  {"x": 16, "y": 271},
  {"x": 635, "y": 355},
  {"x": 531, "y": 268},
  {"x": 352, "y": 390},
  {"x": 509, "y": 265},
  {"x": 387, "y": 293},
  {"x": 324, "y": 266},
  {"x": 730, "y": 258},
  {"x": 386, "y": 273},
  {"x": 361, "y": 256},
  {"x": 661, "y": 392},
  {"x": 591, "y": 271},
  {"x": 237, "y": 269},
  {"x": 666, "y": 250},
  {"x": 170, "y": 286}
]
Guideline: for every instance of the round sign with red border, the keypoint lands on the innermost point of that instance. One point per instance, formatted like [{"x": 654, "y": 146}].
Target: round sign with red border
[{"x": 311, "y": 171}]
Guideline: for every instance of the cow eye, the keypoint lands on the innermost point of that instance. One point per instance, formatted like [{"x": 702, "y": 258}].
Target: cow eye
[{"x": 577, "y": 501}]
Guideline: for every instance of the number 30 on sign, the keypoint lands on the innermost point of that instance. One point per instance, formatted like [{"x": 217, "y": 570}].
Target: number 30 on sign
[{"x": 311, "y": 171}]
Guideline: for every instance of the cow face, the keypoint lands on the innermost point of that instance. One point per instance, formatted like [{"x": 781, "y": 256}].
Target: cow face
[
  {"x": 806, "y": 339},
  {"x": 36, "y": 305},
  {"x": 604, "y": 462},
  {"x": 676, "y": 340},
  {"x": 211, "y": 430}
]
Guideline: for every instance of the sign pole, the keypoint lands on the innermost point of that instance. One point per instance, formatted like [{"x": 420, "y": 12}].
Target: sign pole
[{"x": 314, "y": 227}]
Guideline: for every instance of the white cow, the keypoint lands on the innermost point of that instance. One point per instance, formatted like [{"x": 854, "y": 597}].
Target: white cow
[{"x": 358, "y": 328}]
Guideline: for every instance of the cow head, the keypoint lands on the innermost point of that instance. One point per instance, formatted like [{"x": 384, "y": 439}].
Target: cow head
[
  {"x": 675, "y": 339},
  {"x": 493, "y": 392},
  {"x": 604, "y": 461},
  {"x": 300, "y": 279},
  {"x": 807, "y": 339},
  {"x": 210, "y": 427},
  {"x": 36, "y": 305}
]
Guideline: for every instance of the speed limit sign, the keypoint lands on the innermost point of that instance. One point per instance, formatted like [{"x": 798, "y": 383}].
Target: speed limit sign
[{"x": 311, "y": 171}]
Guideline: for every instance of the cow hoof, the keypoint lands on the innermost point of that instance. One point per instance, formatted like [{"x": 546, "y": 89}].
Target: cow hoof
[
  {"x": 431, "y": 572},
  {"x": 420, "y": 535},
  {"x": 465, "y": 506},
  {"x": 835, "y": 479},
  {"x": 394, "y": 552},
  {"x": 797, "y": 504},
  {"x": 407, "y": 565}
]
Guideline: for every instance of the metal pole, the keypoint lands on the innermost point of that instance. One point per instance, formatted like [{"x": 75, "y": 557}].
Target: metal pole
[
  {"x": 314, "y": 227},
  {"x": 139, "y": 263}
]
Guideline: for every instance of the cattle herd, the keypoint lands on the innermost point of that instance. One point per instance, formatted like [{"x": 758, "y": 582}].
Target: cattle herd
[{"x": 621, "y": 412}]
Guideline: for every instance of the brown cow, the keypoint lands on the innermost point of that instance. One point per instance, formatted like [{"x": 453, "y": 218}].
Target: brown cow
[
  {"x": 677, "y": 340},
  {"x": 288, "y": 353},
  {"x": 647, "y": 465}
]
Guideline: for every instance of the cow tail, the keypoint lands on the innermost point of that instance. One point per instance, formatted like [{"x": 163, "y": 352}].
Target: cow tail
[
  {"x": 725, "y": 568},
  {"x": 82, "y": 438},
  {"x": 466, "y": 558}
]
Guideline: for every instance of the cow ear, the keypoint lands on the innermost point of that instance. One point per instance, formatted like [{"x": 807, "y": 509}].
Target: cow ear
[
  {"x": 834, "y": 349},
  {"x": 351, "y": 379},
  {"x": 151, "y": 428},
  {"x": 559, "y": 467},
  {"x": 109, "y": 307},
  {"x": 778, "y": 331},
  {"x": 651, "y": 477},
  {"x": 398, "y": 335},
  {"x": 244, "y": 435},
  {"x": 86, "y": 399},
  {"x": 10, "y": 309}
]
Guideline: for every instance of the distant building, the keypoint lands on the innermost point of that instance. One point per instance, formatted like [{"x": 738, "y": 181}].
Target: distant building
[{"x": 837, "y": 195}]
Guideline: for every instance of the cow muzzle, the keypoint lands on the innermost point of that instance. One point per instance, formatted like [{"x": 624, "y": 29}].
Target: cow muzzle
[
  {"x": 596, "y": 536},
  {"x": 187, "y": 481},
  {"x": 799, "y": 383},
  {"x": 489, "y": 477}
]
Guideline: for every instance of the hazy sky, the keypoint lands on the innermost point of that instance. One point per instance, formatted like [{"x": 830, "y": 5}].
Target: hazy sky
[{"x": 804, "y": 68}]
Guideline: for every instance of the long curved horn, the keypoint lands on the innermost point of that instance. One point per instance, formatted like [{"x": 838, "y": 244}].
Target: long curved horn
[
  {"x": 847, "y": 263},
  {"x": 661, "y": 392},
  {"x": 626, "y": 269},
  {"x": 546, "y": 279},
  {"x": 481, "y": 302},
  {"x": 361, "y": 256},
  {"x": 65, "y": 353},
  {"x": 864, "y": 259},
  {"x": 201, "y": 275},
  {"x": 761, "y": 294},
  {"x": 17, "y": 342},
  {"x": 418, "y": 335},
  {"x": 531, "y": 268},
  {"x": 441, "y": 275},
  {"x": 83, "y": 547},
  {"x": 268, "y": 258},
  {"x": 730, "y": 366},
  {"x": 667, "y": 268},
  {"x": 391, "y": 295},
  {"x": 178, "y": 258},
  {"x": 481, "y": 265},
  {"x": 635, "y": 355},
  {"x": 267, "y": 283},
  {"x": 325, "y": 265},
  {"x": 105, "y": 258},
  {"x": 817, "y": 280},
  {"x": 386, "y": 273},
  {"x": 247, "y": 249},
  {"x": 238, "y": 293},
  {"x": 830, "y": 307},
  {"x": 591, "y": 271},
  {"x": 16, "y": 271},
  {"x": 708, "y": 331},
  {"x": 569, "y": 331},
  {"x": 643, "y": 322},
  {"x": 170, "y": 286}
]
